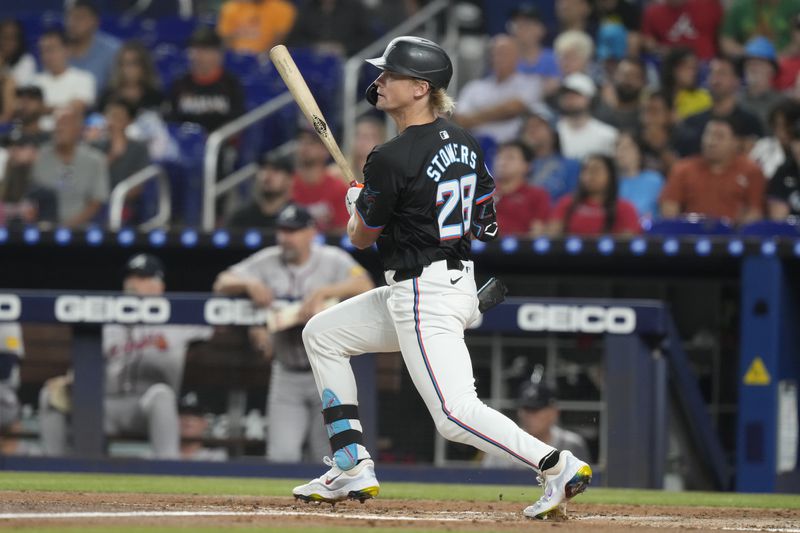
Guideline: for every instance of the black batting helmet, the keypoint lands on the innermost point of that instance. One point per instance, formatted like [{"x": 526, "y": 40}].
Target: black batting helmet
[{"x": 416, "y": 57}]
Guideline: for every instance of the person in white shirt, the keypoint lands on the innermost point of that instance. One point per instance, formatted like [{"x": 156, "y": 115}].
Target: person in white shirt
[
  {"x": 581, "y": 134},
  {"x": 13, "y": 53},
  {"x": 61, "y": 83},
  {"x": 493, "y": 106}
]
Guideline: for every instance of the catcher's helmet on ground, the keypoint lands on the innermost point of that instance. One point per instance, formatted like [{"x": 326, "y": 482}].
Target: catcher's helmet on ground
[{"x": 416, "y": 57}]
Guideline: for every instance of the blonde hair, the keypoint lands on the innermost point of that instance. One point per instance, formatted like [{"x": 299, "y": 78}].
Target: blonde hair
[
  {"x": 441, "y": 102},
  {"x": 574, "y": 39}
]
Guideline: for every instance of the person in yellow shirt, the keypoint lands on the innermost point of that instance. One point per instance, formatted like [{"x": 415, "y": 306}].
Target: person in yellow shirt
[
  {"x": 255, "y": 26},
  {"x": 679, "y": 77}
]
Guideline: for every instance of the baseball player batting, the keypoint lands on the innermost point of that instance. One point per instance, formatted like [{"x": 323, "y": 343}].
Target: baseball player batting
[{"x": 426, "y": 193}]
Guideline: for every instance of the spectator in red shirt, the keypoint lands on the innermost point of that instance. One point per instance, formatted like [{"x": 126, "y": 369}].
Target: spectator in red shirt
[
  {"x": 522, "y": 209},
  {"x": 722, "y": 182},
  {"x": 789, "y": 60},
  {"x": 692, "y": 23},
  {"x": 317, "y": 190},
  {"x": 594, "y": 208}
]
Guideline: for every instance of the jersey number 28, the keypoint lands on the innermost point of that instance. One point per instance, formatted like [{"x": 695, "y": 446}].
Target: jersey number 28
[{"x": 452, "y": 194}]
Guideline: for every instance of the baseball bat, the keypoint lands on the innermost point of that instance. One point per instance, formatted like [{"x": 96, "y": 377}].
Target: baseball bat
[{"x": 308, "y": 105}]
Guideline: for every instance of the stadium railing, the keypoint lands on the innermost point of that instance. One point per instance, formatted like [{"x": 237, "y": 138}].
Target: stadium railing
[
  {"x": 353, "y": 103},
  {"x": 162, "y": 198}
]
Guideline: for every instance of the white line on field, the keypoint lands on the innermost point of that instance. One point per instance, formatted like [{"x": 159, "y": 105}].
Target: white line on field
[
  {"x": 266, "y": 512},
  {"x": 775, "y": 529},
  {"x": 437, "y": 517},
  {"x": 622, "y": 518},
  {"x": 645, "y": 519}
]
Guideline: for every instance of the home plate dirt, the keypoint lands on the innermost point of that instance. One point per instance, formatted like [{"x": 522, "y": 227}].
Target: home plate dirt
[{"x": 21, "y": 509}]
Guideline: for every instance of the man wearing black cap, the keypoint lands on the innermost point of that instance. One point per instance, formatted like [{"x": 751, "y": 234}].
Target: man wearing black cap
[
  {"x": 194, "y": 426},
  {"x": 272, "y": 192},
  {"x": 295, "y": 271},
  {"x": 537, "y": 413},
  {"x": 21, "y": 149},
  {"x": 29, "y": 109},
  {"x": 207, "y": 95},
  {"x": 143, "y": 372}
]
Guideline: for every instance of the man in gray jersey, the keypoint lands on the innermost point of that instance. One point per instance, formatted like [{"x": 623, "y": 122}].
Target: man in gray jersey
[
  {"x": 144, "y": 369},
  {"x": 296, "y": 271},
  {"x": 11, "y": 351}
]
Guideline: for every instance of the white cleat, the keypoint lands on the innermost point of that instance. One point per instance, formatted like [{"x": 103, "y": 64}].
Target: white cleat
[
  {"x": 572, "y": 478},
  {"x": 358, "y": 483}
]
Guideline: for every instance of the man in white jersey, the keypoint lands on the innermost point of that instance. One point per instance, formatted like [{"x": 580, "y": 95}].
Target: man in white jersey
[
  {"x": 143, "y": 373},
  {"x": 295, "y": 271},
  {"x": 426, "y": 193}
]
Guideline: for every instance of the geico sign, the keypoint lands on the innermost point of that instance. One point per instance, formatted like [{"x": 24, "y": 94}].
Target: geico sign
[
  {"x": 10, "y": 307},
  {"x": 121, "y": 309},
  {"x": 227, "y": 312},
  {"x": 576, "y": 318}
]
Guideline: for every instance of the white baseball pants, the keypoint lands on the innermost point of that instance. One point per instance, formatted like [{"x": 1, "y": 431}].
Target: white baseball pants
[
  {"x": 295, "y": 418},
  {"x": 424, "y": 318},
  {"x": 155, "y": 411}
]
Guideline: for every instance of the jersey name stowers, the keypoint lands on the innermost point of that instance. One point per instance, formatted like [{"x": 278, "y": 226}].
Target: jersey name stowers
[{"x": 448, "y": 154}]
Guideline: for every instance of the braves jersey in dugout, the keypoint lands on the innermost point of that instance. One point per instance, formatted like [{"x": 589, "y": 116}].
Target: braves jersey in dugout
[{"x": 421, "y": 189}]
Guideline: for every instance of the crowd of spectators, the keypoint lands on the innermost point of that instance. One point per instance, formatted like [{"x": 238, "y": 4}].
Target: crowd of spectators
[
  {"x": 634, "y": 111},
  {"x": 668, "y": 107}
]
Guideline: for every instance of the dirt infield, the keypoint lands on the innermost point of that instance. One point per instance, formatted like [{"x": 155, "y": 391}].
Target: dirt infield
[{"x": 53, "y": 509}]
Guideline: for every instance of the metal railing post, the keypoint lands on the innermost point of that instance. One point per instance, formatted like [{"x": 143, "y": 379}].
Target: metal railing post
[
  {"x": 214, "y": 145},
  {"x": 353, "y": 65},
  {"x": 116, "y": 202}
]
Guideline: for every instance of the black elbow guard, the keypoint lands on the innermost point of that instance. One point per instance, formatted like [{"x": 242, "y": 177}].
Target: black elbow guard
[{"x": 484, "y": 221}]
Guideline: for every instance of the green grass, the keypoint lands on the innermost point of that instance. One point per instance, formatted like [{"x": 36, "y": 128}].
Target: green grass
[{"x": 214, "y": 486}]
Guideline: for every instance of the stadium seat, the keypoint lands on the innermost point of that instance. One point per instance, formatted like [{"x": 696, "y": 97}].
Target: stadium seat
[
  {"x": 170, "y": 62},
  {"x": 692, "y": 225},
  {"x": 175, "y": 30},
  {"x": 769, "y": 228},
  {"x": 186, "y": 176},
  {"x": 324, "y": 75},
  {"x": 489, "y": 147},
  {"x": 19, "y": 10},
  {"x": 242, "y": 65},
  {"x": 34, "y": 24},
  {"x": 122, "y": 28}
]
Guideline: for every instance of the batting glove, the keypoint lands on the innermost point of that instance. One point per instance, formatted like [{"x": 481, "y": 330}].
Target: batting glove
[{"x": 351, "y": 196}]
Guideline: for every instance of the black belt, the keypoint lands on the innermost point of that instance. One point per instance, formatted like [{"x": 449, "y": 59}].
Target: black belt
[{"x": 403, "y": 274}]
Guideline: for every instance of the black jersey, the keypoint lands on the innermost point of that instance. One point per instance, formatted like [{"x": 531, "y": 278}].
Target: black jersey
[
  {"x": 421, "y": 188},
  {"x": 785, "y": 185}
]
